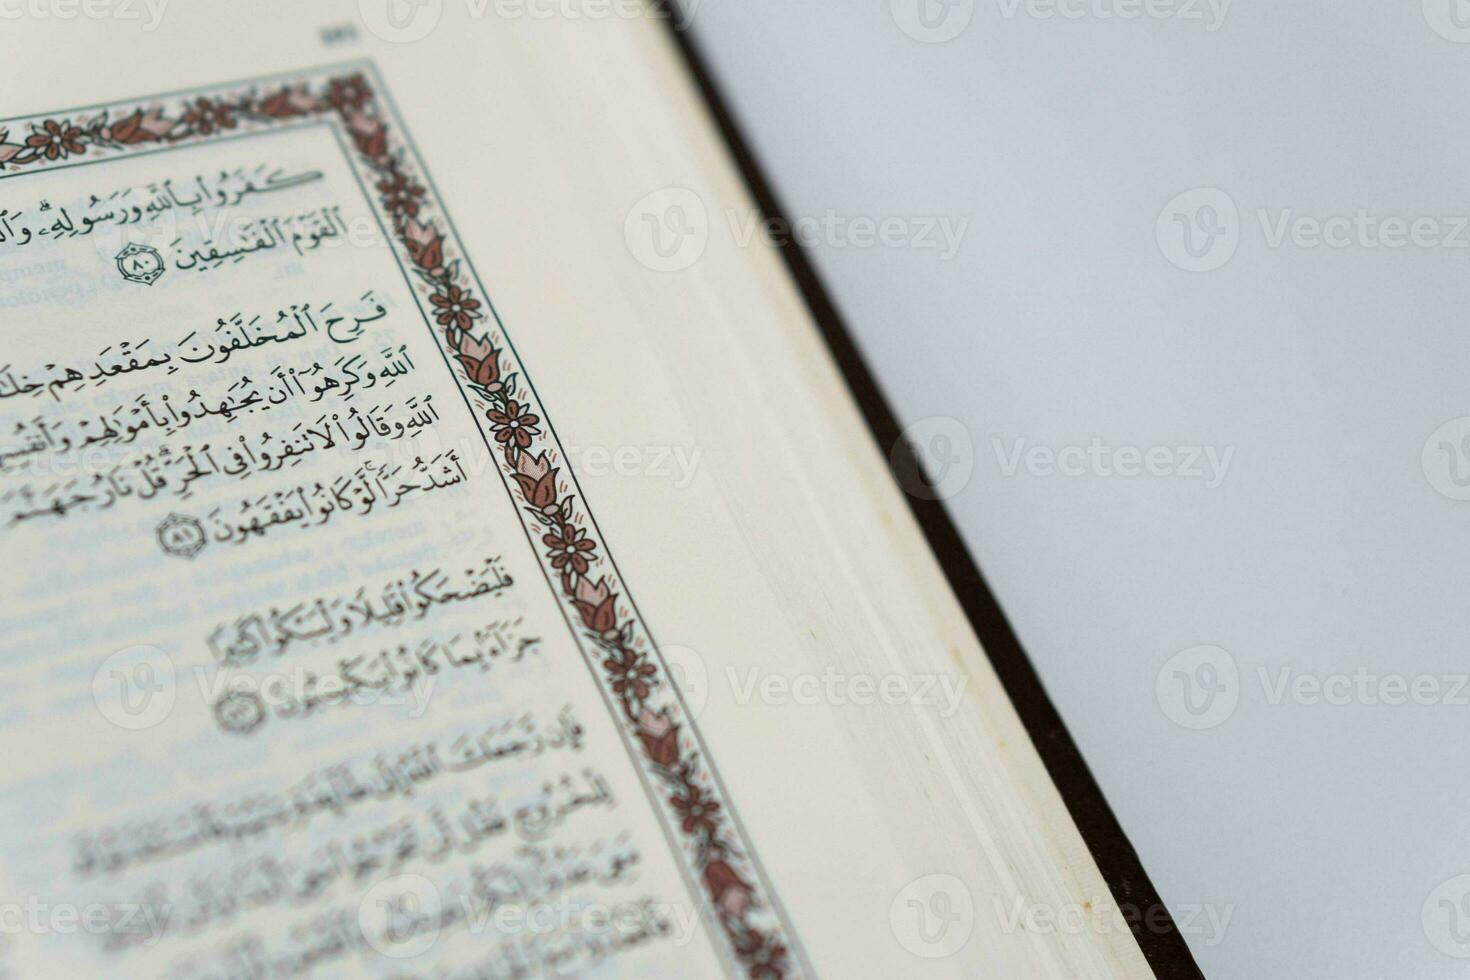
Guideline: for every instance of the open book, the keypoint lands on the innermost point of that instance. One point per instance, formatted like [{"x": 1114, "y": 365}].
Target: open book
[{"x": 436, "y": 545}]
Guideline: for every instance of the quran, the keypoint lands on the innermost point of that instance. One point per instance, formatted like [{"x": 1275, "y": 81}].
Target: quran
[{"x": 436, "y": 546}]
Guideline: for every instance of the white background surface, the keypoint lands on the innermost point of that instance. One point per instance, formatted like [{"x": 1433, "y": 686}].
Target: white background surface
[{"x": 1321, "y": 829}]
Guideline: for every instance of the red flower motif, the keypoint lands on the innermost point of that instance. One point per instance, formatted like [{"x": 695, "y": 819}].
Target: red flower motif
[
  {"x": 514, "y": 424},
  {"x": 352, "y": 92},
  {"x": 369, "y": 135},
  {"x": 763, "y": 956},
  {"x": 481, "y": 361},
  {"x": 731, "y": 892},
  {"x": 400, "y": 195},
  {"x": 141, "y": 127},
  {"x": 56, "y": 141},
  {"x": 569, "y": 547},
  {"x": 425, "y": 245},
  {"x": 630, "y": 674},
  {"x": 288, "y": 102},
  {"x": 205, "y": 116},
  {"x": 537, "y": 480},
  {"x": 660, "y": 738},
  {"x": 697, "y": 811},
  {"x": 475, "y": 350},
  {"x": 596, "y": 604},
  {"x": 457, "y": 308}
]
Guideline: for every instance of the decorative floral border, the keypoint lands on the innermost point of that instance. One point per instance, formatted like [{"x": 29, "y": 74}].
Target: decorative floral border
[{"x": 612, "y": 634}]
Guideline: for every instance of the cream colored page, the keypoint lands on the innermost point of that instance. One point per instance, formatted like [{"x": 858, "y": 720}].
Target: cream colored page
[
  {"x": 750, "y": 520},
  {"x": 287, "y": 680},
  {"x": 912, "y": 812}
]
